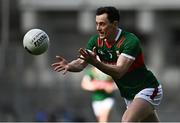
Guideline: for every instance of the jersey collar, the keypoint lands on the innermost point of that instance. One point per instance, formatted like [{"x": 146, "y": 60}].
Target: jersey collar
[
  {"x": 118, "y": 34},
  {"x": 110, "y": 44}
]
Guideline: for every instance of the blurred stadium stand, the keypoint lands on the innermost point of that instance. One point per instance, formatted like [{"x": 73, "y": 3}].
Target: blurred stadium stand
[{"x": 29, "y": 88}]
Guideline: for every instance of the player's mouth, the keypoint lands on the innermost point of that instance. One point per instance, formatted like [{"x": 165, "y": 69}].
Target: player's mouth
[{"x": 101, "y": 34}]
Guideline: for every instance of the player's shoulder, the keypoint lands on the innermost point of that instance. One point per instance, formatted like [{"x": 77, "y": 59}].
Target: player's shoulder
[{"x": 131, "y": 37}]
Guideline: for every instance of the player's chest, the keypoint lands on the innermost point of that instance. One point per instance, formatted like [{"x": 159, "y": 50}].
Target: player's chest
[{"x": 109, "y": 54}]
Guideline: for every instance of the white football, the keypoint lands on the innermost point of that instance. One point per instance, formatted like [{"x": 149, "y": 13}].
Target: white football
[{"x": 36, "y": 41}]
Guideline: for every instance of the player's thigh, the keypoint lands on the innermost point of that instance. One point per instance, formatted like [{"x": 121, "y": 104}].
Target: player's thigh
[
  {"x": 137, "y": 110},
  {"x": 152, "y": 117}
]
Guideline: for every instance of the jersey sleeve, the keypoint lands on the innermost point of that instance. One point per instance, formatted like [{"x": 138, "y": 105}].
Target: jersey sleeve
[{"x": 132, "y": 46}]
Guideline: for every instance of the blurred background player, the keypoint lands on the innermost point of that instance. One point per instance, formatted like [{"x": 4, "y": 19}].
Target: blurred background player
[{"x": 102, "y": 86}]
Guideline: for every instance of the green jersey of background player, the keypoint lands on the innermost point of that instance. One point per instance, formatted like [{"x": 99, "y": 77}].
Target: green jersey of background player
[
  {"x": 102, "y": 87},
  {"x": 118, "y": 53},
  {"x": 99, "y": 80}
]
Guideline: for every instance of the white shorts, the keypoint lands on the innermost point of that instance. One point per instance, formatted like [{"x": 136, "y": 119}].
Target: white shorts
[
  {"x": 99, "y": 106},
  {"x": 152, "y": 95}
]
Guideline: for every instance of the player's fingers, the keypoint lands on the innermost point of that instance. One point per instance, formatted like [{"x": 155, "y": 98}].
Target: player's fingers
[
  {"x": 88, "y": 52},
  {"x": 94, "y": 50},
  {"x": 83, "y": 52},
  {"x": 59, "y": 68},
  {"x": 80, "y": 50},
  {"x": 65, "y": 71},
  {"x": 55, "y": 64},
  {"x": 81, "y": 57},
  {"x": 56, "y": 68}
]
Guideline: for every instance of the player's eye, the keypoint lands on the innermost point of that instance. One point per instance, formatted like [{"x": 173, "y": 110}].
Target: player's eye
[{"x": 102, "y": 24}]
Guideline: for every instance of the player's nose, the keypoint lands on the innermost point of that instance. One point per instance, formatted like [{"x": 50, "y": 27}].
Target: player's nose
[{"x": 98, "y": 28}]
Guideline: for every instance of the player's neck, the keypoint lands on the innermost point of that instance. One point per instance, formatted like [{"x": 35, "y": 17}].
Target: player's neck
[{"x": 112, "y": 37}]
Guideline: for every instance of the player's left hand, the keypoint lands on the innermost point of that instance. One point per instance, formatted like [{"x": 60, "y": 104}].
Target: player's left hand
[{"x": 88, "y": 56}]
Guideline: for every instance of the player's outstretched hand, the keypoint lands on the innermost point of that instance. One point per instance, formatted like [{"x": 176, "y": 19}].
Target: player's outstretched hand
[
  {"x": 88, "y": 55},
  {"x": 60, "y": 65}
]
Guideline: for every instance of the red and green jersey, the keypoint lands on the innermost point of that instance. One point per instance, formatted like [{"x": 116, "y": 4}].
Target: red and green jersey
[
  {"x": 138, "y": 76},
  {"x": 98, "y": 76}
]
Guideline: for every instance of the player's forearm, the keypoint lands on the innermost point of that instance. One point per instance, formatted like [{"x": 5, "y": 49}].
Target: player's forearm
[
  {"x": 77, "y": 65},
  {"x": 113, "y": 70}
]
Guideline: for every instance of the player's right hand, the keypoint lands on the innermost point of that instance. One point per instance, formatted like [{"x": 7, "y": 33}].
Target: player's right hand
[{"x": 61, "y": 65}]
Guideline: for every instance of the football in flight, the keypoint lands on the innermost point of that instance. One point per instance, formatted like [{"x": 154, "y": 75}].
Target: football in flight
[{"x": 36, "y": 41}]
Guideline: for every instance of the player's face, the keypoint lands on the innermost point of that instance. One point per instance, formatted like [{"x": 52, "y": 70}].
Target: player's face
[{"x": 104, "y": 28}]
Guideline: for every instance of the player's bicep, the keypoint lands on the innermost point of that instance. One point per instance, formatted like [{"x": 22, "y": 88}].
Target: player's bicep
[{"x": 132, "y": 47}]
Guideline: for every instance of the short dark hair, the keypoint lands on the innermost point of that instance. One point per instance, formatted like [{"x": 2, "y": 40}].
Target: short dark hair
[{"x": 112, "y": 12}]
